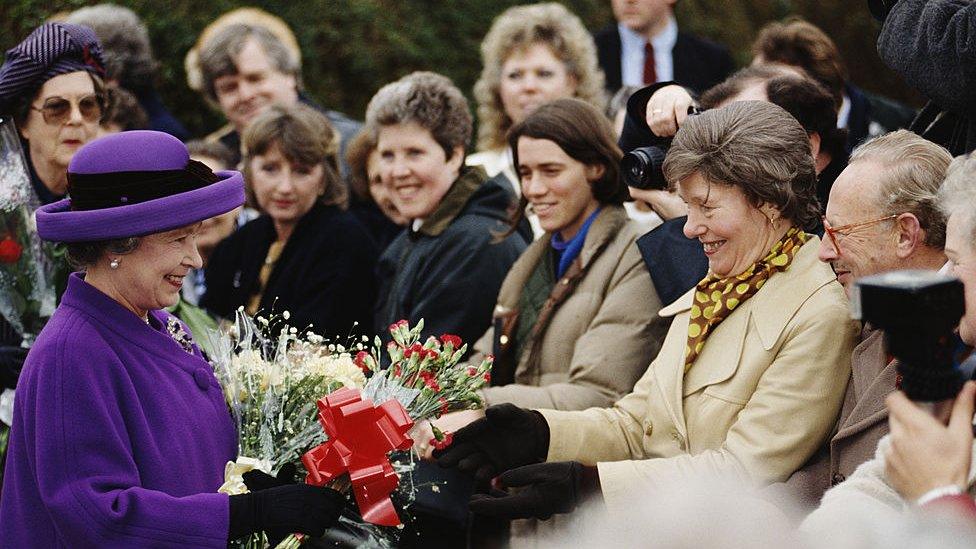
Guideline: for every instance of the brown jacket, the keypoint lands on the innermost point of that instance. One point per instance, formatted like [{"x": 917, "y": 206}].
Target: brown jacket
[
  {"x": 863, "y": 421},
  {"x": 599, "y": 338}
]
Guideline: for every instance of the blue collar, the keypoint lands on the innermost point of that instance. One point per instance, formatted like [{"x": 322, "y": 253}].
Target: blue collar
[{"x": 567, "y": 252}]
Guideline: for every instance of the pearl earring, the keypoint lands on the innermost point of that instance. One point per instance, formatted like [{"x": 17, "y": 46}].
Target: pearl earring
[{"x": 114, "y": 263}]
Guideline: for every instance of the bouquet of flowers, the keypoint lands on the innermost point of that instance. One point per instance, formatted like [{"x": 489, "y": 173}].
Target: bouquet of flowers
[
  {"x": 345, "y": 410},
  {"x": 27, "y": 293}
]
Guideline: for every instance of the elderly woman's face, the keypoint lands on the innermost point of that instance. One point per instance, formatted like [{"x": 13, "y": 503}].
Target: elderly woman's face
[
  {"x": 54, "y": 141},
  {"x": 151, "y": 276},
  {"x": 530, "y": 77},
  {"x": 734, "y": 233},
  {"x": 285, "y": 191},
  {"x": 415, "y": 168},
  {"x": 960, "y": 250}
]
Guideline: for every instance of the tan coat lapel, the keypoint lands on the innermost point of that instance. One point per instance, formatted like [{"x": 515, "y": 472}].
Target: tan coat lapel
[{"x": 872, "y": 379}]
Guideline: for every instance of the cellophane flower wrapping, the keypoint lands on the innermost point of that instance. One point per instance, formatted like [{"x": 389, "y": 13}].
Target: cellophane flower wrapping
[
  {"x": 27, "y": 286},
  {"x": 273, "y": 375}
]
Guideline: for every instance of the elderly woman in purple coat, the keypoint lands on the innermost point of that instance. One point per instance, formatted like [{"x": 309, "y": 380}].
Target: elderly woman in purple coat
[{"x": 120, "y": 432}]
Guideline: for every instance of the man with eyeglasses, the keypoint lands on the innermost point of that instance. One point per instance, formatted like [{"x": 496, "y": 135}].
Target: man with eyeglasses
[{"x": 881, "y": 216}]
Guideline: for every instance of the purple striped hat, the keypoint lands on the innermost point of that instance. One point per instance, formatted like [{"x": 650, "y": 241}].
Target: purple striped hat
[
  {"x": 52, "y": 49},
  {"x": 133, "y": 184}
]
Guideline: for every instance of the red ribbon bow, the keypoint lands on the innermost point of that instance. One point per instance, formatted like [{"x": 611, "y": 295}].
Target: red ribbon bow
[{"x": 360, "y": 436}]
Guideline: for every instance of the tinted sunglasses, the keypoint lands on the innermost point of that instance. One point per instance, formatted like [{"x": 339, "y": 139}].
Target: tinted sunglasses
[{"x": 57, "y": 110}]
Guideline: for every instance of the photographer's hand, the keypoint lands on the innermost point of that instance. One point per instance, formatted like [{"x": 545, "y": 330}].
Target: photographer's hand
[
  {"x": 666, "y": 204},
  {"x": 667, "y": 110},
  {"x": 925, "y": 454}
]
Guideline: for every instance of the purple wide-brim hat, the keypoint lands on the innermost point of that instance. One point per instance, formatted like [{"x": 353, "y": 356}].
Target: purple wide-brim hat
[{"x": 137, "y": 155}]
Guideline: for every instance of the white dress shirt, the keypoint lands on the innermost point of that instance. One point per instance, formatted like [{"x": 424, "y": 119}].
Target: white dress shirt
[{"x": 632, "y": 54}]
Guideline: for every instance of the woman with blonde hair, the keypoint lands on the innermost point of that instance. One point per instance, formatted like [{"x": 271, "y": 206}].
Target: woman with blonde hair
[{"x": 532, "y": 55}]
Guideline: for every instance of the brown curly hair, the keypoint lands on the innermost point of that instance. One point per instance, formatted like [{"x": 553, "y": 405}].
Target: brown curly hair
[
  {"x": 518, "y": 28},
  {"x": 429, "y": 100}
]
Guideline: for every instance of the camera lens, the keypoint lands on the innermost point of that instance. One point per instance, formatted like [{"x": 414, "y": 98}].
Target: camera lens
[{"x": 641, "y": 168}]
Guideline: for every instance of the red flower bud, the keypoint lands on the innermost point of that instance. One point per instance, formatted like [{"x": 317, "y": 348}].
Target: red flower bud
[
  {"x": 472, "y": 371},
  {"x": 9, "y": 250},
  {"x": 360, "y": 361},
  {"x": 452, "y": 340},
  {"x": 444, "y": 406},
  {"x": 444, "y": 443},
  {"x": 487, "y": 377}
]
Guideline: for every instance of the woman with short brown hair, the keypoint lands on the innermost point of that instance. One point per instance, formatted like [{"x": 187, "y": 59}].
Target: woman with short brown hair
[{"x": 305, "y": 254}]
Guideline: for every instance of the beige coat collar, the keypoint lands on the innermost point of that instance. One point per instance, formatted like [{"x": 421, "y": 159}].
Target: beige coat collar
[
  {"x": 769, "y": 310},
  {"x": 780, "y": 298},
  {"x": 604, "y": 228}
]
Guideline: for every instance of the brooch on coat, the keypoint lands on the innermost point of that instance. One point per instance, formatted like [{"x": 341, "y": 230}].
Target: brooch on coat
[{"x": 176, "y": 331}]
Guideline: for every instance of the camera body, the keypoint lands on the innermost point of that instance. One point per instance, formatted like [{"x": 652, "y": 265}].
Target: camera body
[
  {"x": 918, "y": 311},
  {"x": 641, "y": 168}
]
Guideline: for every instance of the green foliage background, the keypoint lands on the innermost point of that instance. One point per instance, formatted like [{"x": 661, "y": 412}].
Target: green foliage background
[{"x": 352, "y": 47}]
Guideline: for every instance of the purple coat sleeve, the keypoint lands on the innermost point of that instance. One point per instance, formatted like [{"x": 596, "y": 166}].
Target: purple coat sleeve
[{"x": 91, "y": 484}]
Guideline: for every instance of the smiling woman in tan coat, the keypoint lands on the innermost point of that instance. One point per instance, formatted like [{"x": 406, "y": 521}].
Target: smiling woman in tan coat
[
  {"x": 576, "y": 320},
  {"x": 751, "y": 375}
]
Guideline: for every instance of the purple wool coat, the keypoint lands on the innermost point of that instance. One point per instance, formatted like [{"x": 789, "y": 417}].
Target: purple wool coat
[{"x": 119, "y": 438}]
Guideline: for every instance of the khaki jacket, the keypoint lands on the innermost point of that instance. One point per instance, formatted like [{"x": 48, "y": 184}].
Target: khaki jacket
[
  {"x": 763, "y": 395},
  {"x": 601, "y": 336},
  {"x": 863, "y": 421}
]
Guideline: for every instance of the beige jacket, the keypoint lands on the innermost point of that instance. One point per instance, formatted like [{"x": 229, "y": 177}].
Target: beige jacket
[
  {"x": 600, "y": 338},
  {"x": 763, "y": 395}
]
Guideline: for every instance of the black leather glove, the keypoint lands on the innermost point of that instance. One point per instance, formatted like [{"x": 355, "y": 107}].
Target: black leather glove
[
  {"x": 11, "y": 361},
  {"x": 507, "y": 437},
  {"x": 257, "y": 479},
  {"x": 546, "y": 489},
  {"x": 283, "y": 510}
]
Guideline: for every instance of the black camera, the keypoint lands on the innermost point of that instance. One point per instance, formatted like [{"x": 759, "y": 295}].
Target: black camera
[
  {"x": 641, "y": 168},
  {"x": 918, "y": 311}
]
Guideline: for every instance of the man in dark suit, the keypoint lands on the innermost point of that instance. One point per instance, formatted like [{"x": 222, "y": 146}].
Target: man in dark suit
[{"x": 645, "y": 46}]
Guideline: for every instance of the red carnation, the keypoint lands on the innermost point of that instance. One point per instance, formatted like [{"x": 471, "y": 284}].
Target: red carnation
[
  {"x": 487, "y": 377},
  {"x": 451, "y": 339},
  {"x": 472, "y": 371},
  {"x": 445, "y": 441},
  {"x": 432, "y": 354},
  {"x": 9, "y": 251},
  {"x": 360, "y": 361},
  {"x": 429, "y": 380},
  {"x": 444, "y": 406},
  {"x": 417, "y": 349}
]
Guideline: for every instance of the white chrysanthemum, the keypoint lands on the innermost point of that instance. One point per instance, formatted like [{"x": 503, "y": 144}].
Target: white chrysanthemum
[{"x": 339, "y": 368}]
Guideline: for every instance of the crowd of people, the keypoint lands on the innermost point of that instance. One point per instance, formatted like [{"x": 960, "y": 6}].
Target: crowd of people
[{"x": 645, "y": 340}]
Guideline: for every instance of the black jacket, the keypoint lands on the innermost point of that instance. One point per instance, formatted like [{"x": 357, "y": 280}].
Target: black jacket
[
  {"x": 449, "y": 272},
  {"x": 931, "y": 44},
  {"x": 699, "y": 64},
  {"x": 325, "y": 275}
]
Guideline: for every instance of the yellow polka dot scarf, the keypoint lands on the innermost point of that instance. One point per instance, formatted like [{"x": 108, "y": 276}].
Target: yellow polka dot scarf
[{"x": 716, "y": 298}]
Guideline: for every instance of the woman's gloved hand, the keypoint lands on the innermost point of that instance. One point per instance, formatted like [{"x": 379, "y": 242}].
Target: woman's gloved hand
[
  {"x": 257, "y": 479},
  {"x": 545, "y": 489},
  {"x": 507, "y": 437},
  {"x": 283, "y": 510}
]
